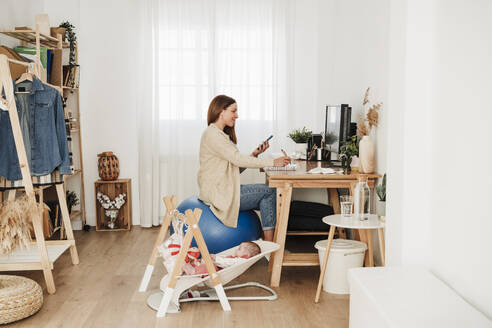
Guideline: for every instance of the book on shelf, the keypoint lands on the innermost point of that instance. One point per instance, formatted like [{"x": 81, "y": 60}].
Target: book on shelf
[{"x": 71, "y": 76}]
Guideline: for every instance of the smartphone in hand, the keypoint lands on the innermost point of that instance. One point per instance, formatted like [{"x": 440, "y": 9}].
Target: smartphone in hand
[{"x": 270, "y": 137}]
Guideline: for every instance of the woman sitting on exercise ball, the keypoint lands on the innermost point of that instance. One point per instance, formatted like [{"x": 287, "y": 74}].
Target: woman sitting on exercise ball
[{"x": 220, "y": 160}]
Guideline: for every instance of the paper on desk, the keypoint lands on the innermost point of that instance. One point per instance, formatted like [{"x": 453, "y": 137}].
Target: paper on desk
[
  {"x": 324, "y": 170},
  {"x": 297, "y": 156}
]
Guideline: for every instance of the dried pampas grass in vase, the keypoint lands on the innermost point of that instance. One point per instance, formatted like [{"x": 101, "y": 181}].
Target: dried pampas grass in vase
[
  {"x": 16, "y": 223},
  {"x": 367, "y": 120}
]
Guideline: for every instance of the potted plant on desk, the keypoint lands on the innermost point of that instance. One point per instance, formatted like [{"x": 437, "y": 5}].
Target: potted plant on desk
[
  {"x": 381, "y": 204},
  {"x": 349, "y": 149},
  {"x": 301, "y": 138}
]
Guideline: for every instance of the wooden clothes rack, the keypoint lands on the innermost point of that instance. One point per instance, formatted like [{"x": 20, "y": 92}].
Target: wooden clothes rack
[
  {"x": 38, "y": 40},
  {"x": 41, "y": 254},
  {"x": 192, "y": 218}
]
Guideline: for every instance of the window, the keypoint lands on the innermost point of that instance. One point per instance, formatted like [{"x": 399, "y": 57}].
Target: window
[{"x": 228, "y": 53}]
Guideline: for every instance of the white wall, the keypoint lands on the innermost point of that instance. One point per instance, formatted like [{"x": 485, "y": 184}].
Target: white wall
[
  {"x": 340, "y": 48},
  {"x": 17, "y": 13},
  {"x": 107, "y": 57},
  {"x": 305, "y": 61},
  {"x": 410, "y": 134},
  {"x": 353, "y": 41},
  {"x": 439, "y": 190},
  {"x": 107, "y": 95},
  {"x": 353, "y": 55},
  {"x": 462, "y": 90}
]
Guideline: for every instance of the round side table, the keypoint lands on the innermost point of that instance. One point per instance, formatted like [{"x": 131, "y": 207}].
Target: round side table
[{"x": 365, "y": 228}]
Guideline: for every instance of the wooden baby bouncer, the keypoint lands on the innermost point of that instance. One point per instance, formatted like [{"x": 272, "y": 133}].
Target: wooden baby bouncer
[{"x": 174, "y": 285}]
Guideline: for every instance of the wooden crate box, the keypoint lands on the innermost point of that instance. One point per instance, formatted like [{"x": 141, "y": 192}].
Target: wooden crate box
[{"x": 112, "y": 189}]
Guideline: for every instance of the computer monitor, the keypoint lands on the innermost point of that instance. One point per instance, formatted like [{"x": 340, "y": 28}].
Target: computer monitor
[{"x": 337, "y": 122}]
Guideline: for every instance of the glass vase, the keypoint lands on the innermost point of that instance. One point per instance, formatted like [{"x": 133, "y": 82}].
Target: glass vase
[{"x": 362, "y": 198}]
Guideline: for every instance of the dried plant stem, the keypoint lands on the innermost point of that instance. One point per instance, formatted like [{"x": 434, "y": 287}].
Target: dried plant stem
[
  {"x": 366, "y": 97},
  {"x": 373, "y": 116},
  {"x": 16, "y": 223}
]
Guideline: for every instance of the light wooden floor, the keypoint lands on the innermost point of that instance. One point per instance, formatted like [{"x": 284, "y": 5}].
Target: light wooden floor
[{"x": 102, "y": 292}]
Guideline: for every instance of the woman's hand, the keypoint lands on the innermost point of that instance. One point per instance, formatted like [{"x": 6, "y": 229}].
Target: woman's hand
[
  {"x": 261, "y": 148},
  {"x": 281, "y": 161}
]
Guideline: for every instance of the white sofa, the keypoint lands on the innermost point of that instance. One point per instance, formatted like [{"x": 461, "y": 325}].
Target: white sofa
[{"x": 407, "y": 297}]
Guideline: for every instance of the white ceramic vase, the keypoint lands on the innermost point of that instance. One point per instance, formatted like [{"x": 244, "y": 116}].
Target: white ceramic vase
[
  {"x": 301, "y": 148},
  {"x": 366, "y": 155}
]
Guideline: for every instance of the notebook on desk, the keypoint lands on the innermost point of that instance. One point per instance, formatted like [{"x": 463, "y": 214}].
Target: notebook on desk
[{"x": 288, "y": 167}]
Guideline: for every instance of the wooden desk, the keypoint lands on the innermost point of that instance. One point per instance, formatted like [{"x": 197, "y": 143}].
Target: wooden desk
[{"x": 284, "y": 182}]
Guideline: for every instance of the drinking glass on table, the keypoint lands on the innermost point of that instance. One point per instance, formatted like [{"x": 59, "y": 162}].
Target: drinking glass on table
[{"x": 346, "y": 203}]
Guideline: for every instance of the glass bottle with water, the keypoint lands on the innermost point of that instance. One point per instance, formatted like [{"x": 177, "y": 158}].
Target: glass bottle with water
[{"x": 362, "y": 199}]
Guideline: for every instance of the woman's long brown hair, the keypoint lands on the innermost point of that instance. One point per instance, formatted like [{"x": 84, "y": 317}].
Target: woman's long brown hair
[{"x": 217, "y": 105}]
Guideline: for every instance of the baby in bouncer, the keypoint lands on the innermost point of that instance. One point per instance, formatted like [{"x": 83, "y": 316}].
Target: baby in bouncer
[{"x": 245, "y": 250}]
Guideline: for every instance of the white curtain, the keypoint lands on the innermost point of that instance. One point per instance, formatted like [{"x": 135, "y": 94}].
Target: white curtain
[{"x": 200, "y": 49}]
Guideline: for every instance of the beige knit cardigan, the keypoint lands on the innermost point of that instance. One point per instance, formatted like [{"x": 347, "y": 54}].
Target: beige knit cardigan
[{"x": 218, "y": 176}]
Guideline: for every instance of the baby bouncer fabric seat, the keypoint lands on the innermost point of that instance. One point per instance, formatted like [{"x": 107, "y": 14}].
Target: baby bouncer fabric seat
[{"x": 185, "y": 282}]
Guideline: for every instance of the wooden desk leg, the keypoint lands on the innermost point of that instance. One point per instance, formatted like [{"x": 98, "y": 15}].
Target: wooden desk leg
[
  {"x": 381, "y": 246},
  {"x": 275, "y": 234},
  {"x": 280, "y": 234},
  {"x": 370, "y": 248},
  {"x": 325, "y": 262},
  {"x": 334, "y": 200},
  {"x": 335, "y": 204}
]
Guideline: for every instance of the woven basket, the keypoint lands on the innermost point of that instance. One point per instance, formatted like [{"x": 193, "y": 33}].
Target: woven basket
[
  {"x": 20, "y": 298},
  {"x": 108, "y": 165}
]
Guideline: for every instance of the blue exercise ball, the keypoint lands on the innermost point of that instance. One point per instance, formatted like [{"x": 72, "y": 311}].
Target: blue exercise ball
[{"x": 218, "y": 236}]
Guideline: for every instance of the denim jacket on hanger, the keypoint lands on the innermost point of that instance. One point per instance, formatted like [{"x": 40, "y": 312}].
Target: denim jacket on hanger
[{"x": 42, "y": 123}]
